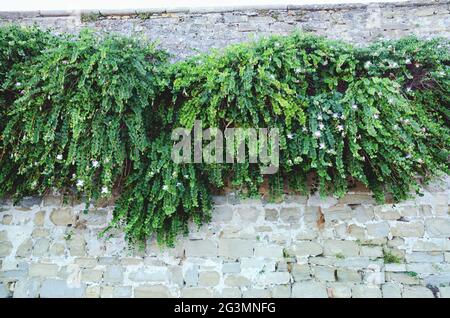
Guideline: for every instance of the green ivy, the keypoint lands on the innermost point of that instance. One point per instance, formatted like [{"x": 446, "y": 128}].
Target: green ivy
[{"x": 92, "y": 116}]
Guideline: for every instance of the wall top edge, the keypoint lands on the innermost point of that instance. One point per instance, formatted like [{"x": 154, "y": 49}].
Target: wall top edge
[{"x": 200, "y": 10}]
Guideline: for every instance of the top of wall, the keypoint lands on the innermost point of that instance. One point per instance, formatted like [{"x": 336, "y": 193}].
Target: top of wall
[{"x": 217, "y": 9}]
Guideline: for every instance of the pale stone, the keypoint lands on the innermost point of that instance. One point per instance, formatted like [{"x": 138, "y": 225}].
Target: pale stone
[
  {"x": 55, "y": 288},
  {"x": 402, "y": 278},
  {"x": 208, "y": 278},
  {"x": 237, "y": 281},
  {"x": 425, "y": 257},
  {"x": 41, "y": 247},
  {"x": 417, "y": 292},
  {"x": 438, "y": 227},
  {"x": 444, "y": 292},
  {"x": 271, "y": 215},
  {"x": 62, "y": 216},
  {"x": 301, "y": 272},
  {"x": 233, "y": 292},
  {"x": 379, "y": 229},
  {"x": 309, "y": 289},
  {"x": 196, "y": 292},
  {"x": 386, "y": 212},
  {"x": 235, "y": 248},
  {"x": 93, "y": 291},
  {"x": 346, "y": 248},
  {"x": 7, "y": 219},
  {"x": 151, "y": 291},
  {"x": 339, "y": 290},
  {"x": 5, "y": 248},
  {"x": 201, "y": 248},
  {"x": 290, "y": 215},
  {"x": 231, "y": 267},
  {"x": 256, "y": 293},
  {"x": 222, "y": 213},
  {"x": 371, "y": 251},
  {"x": 113, "y": 274},
  {"x": 407, "y": 229},
  {"x": 391, "y": 290},
  {"x": 324, "y": 273},
  {"x": 89, "y": 275},
  {"x": 43, "y": 270},
  {"x": 27, "y": 288},
  {"x": 122, "y": 292},
  {"x": 249, "y": 213},
  {"x": 366, "y": 291},
  {"x": 306, "y": 249},
  {"x": 281, "y": 291},
  {"x": 348, "y": 275},
  {"x": 39, "y": 218},
  {"x": 269, "y": 251},
  {"x": 275, "y": 278}
]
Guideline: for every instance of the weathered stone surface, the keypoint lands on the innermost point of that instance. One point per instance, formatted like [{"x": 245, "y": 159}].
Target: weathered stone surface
[
  {"x": 391, "y": 290},
  {"x": 417, "y": 292},
  {"x": 444, "y": 292},
  {"x": 152, "y": 291},
  {"x": 438, "y": 227},
  {"x": 90, "y": 275},
  {"x": 113, "y": 274},
  {"x": 235, "y": 248},
  {"x": 56, "y": 288},
  {"x": 231, "y": 267},
  {"x": 43, "y": 270},
  {"x": 5, "y": 248},
  {"x": 269, "y": 251},
  {"x": 257, "y": 293},
  {"x": 39, "y": 218},
  {"x": 222, "y": 213},
  {"x": 309, "y": 289},
  {"x": 281, "y": 291},
  {"x": 249, "y": 213},
  {"x": 378, "y": 229},
  {"x": 201, "y": 248},
  {"x": 208, "y": 278},
  {"x": 348, "y": 275},
  {"x": 366, "y": 291},
  {"x": 346, "y": 248},
  {"x": 324, "y": 273},
  {"x": 290, "y": 215},
  {"x": 339, "y": 290},
  {"x": 306, "y": 248},
  {"x": 62, "y": 216},
  {"x": 196, "y": 292},
  {"x": 237, "y": 281},
  {"x": 408, "y": 229}
]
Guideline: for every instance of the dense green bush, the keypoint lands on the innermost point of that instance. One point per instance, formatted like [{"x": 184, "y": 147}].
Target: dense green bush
[{"x": 93, "y": 116}]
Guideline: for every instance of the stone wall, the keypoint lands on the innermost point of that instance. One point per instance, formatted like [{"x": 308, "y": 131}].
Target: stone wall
[
  {"x": 185, "y": 32},
  {"x": 303, "y": 247}
]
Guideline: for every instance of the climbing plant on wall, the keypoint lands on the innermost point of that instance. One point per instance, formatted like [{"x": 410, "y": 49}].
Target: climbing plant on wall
[{"x": 92, "y": 116}]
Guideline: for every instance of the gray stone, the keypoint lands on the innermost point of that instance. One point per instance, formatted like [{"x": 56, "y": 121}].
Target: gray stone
[
  {"x": 271, "y": 215},
  {"x": 43, "y": 270},
  {"x": 234, "y": 248},
  {"x": 208, "y": 278},
  {"x": 152, "y": 291},
  {"x": 113, "y": 274},
  {"x": 41, "y": 247},
  {"x": 222, "y": 213},
  {"x": 379, "y": 229},
  {"x": 122, "y": 292},
  {"x": 348, "y": 275},
  {"x": 39, "y": 218},
  {"x": 417, "y": 292},
  {"x": 306, "y": 249},
  {"x": 438, "y": 227},
  {"x": 324, "y": 273},
  {"x": 196, "y": 292},
  {"x": 56, "y": 288},
  {"x": 408, "y": 229},
  {"x": 290, "y": 215},
  {"x": 366, "y": 291},
  {"x": 27, "y": 288},
  {"x": 249, "y": 213},
  {"x": 233, "y": 292},
  {"x": 339, "y": 290},
  {"x": 191, "y": 276},
  {"x": 91, "y": 275},
  {"x": 444, "y": 292},
  {"x": 4, "y": 291},
  {"x": 281, "y": 291},
  {"x": 391, "y": 290},
  {"x": 237, "y": 281},
  {"x": 201, "y": 248},
  {"x": 269, "y": 251},
  {"x": 309, "y": 289},
  {"x": 257, "y": 293},
  {"x": 62, "y": 216},
  {"x": 231, "y": 267},
  {"x": 5, "y": 248},
  {"x": 345, "y": 248}
]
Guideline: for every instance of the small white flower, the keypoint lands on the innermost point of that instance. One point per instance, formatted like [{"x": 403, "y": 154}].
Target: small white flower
[
  {"x": 391, "y": 101},
  {"x": 424, "y": 129},
  {"x": 304, "y": 129},
  {"x": 289, "y": 162},
  {"x": 343, "y": 116},
  {"x": 290, "y": 136},
  {"x": 317, "y": 134},
  {"x": 321, "y": 145},
  {"x": 95, "y": 163},
  {"x": 18, "y": 84},
  {"x": 277, "y": 44},
  {"x": 59, "y": 157},
  {"x": 319, "y": 117},
  {"x": 178, "y": 184},
  {"x": 297, "y": 70},
  {"x": 165, "y": 187},
  {"x": 335, "y": 116},
  {"x": 321, "y": 126},
  {"x": 105, "y": 190},
  {"x": 367, "y": 65},
  {"x": 298, "y": 159},
  {"x": 354, "y": 106},
  {"x": 407, "y": 61},
  {"x": 80, "y": 183},
  {"x": 419, "y": 160},
  {"x": 408, "y": 89},
  {"x": 408, "y": 156},
  {"x": 376, "y": 116},
  {"x": 186, "y": 176},
  {"x": 340, "y": 128},
  {"x": 442, "y": 73}
]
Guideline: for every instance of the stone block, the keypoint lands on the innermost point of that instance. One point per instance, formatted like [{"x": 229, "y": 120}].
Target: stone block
[{"x": 309, "y": 289}]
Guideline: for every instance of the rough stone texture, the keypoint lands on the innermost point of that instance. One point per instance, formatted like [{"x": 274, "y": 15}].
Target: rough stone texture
[
  {"x": 187, "y": 32},
  {"x": 251, "y": 248}
]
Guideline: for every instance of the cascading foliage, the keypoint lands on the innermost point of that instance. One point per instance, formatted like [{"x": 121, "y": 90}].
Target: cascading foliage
[{"x": 92, "y": 116}]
